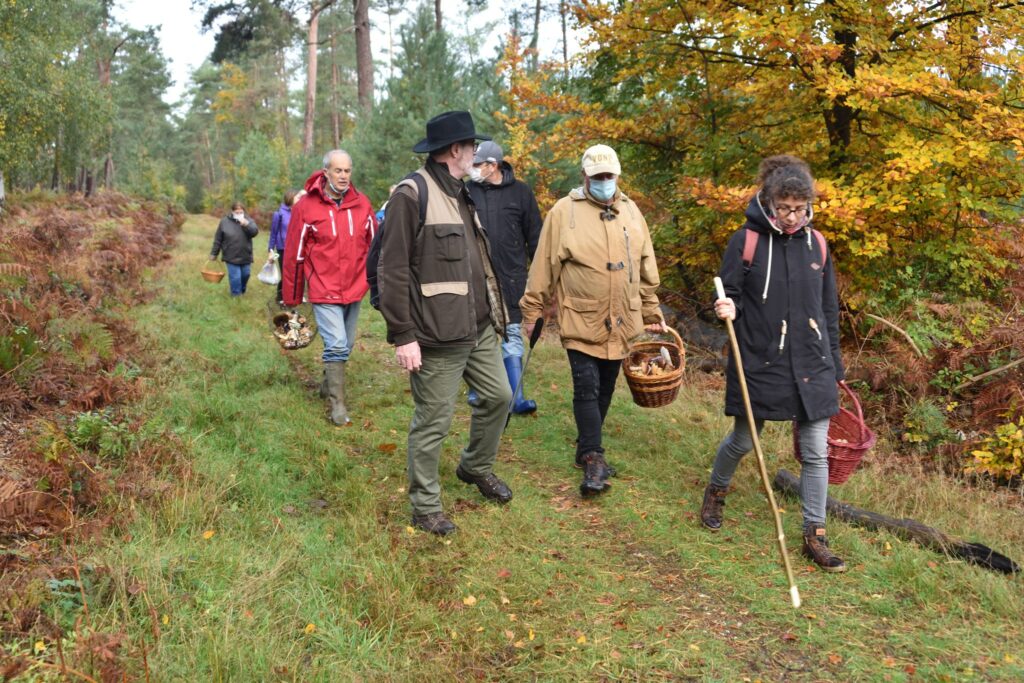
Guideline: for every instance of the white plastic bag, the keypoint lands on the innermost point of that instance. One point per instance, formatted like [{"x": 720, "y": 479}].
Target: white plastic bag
[{"x": 270, "y": 273}]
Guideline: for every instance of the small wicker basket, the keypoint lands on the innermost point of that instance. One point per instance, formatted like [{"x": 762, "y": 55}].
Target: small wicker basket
[
  {"x": 211, "y": 275},
  {"x": 849, "y": 438},
  {"x": 655, "y": 391}
]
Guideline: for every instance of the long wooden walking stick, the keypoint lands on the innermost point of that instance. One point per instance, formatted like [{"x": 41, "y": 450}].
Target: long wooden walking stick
[{"x": 794, "y": 593}]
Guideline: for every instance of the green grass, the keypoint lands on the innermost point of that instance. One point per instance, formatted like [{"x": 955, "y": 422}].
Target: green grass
[{"x": 313, "y": 574}]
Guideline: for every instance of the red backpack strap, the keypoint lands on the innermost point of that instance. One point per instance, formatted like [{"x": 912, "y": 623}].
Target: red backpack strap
[
  {"x": 821, "y": 245},
  {"x": 749, "y": 246}
]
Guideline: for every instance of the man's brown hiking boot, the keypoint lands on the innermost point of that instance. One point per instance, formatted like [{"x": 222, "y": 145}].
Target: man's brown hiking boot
[
  {"x": 711, "y": 508},
  {"x": 489, "y": 485},
  {"x": 435, "y": 523},
  {"x": 816, "y": 548}
]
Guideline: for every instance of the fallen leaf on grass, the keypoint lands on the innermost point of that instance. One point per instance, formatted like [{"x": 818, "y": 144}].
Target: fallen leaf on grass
[
  {"x": 39, "y": 647},
  {"x": 288, "y": 509},
  {"x": 835, "y": 659},
  {"x": 531, "y": 635},
  {"x": 469, "y": 600},
  {"x": 310, "y": 628},
  {"x": 910, "y": 669},
  {"x": 409, "y": 530},
  {"x": 889, "y": 661},
  {"x": 505, "y": 600},
  {"x": 504, "y": 573},
  {"x": 165, "y": 619},
  {"x": 208, "y": 534},
  {"x": 387, "y": 447},
  {"x": 581, "y": 639},
  {"x": 510, "y": 634},
  {"x": 615, "y": 654},
  {"x": 788, "y": 637},
  {"x": 1009, "y": 659},
  {"x": 695, "y": 647},
  {"x": 518, "y": 644}
]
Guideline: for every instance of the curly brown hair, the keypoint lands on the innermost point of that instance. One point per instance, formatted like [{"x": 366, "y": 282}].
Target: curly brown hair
[{"x": 785, "y": 175}]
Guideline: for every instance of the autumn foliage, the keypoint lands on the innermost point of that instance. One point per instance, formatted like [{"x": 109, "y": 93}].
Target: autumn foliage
[{"x": 911, "y": 115}]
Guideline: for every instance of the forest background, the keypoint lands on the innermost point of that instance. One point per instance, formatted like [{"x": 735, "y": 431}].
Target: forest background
[{"x": 910, "y": 113}]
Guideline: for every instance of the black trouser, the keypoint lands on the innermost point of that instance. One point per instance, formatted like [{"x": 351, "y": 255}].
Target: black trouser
[
  {"x": 280, "y": 263},
  {"x": 593, "y": 383}
]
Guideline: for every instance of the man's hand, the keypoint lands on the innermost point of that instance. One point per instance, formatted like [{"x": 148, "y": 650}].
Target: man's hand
[
  {"x": 408, "y": 356},
  {"x": 658, "y": 327},
  {"x": 725, "y": 309},
  {"x": 528, "y": 329}
]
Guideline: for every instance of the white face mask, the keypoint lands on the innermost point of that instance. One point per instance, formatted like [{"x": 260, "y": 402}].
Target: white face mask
[
  {"x": 238, "y": 215},
  {"x": 475, "y": 174}
]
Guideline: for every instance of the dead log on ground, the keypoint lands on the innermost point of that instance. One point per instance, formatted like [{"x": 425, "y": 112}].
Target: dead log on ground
[{"x": 789, "y": 484}]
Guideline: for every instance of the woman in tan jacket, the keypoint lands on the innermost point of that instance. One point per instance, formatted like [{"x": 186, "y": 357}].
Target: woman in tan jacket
[{"x": 595, "y": 256}]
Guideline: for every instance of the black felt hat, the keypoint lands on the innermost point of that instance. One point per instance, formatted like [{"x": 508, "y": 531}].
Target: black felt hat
[{"x": 447, "y": 128}]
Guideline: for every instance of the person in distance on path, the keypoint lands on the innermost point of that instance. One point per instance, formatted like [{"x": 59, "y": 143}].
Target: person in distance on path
[{"x": 329, "y": 235}]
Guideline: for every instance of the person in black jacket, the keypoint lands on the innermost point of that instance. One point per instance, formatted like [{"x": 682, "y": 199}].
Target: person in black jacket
[
  {"x": 509, "y": 212},
  {"x": 234, "y": 240},
  {"x": 786, "y": 310}
]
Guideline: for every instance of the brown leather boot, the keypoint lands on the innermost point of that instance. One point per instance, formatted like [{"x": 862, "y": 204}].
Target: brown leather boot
[
  {"x": 816, "y": 548},
  {"x": 711, "y": 508}
]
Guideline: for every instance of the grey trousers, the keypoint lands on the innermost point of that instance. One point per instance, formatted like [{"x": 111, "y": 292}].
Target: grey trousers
[
  {"x": 813, "y": 452},
  {"x": 435, "y": 389}
]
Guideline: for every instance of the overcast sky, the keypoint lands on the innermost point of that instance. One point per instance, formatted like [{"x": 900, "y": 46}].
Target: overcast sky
[{"x": 186, "y": 46}]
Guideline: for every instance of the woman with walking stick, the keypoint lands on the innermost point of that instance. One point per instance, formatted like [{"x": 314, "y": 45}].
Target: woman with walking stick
[{"x": 780, "y": 290}]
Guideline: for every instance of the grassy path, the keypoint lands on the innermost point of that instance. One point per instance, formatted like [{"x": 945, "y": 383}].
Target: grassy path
[{"x": 283, "y": 550}]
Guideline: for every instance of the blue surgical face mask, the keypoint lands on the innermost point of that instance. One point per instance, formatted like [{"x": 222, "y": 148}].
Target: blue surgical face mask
[{"x": 603, "y": 190}]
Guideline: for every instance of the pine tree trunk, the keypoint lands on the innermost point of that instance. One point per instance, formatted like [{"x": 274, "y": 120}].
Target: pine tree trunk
[
  {"x": 535, "y": 41},
  {"x": 364, "y": 56},
  {"x": 564, "y": 11},
  {"x": 55, "y": 179},
  {"x": 312, "y": 40},
  {"x": 437, "y": 14},
  {"x": 335, "y": 112}
]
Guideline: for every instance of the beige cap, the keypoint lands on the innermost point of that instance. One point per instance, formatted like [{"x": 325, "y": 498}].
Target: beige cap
[{"x": 601, "y": 159}]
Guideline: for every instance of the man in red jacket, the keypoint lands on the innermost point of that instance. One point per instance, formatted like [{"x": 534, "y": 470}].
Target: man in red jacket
[{"x": 328, "y": 237}]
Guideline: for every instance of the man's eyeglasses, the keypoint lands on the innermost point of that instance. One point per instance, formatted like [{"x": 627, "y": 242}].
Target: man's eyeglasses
[{"x": 787, "y": 211}]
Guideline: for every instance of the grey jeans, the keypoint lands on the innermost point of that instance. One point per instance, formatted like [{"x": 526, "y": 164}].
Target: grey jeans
[{"x": 813, "y": 472}]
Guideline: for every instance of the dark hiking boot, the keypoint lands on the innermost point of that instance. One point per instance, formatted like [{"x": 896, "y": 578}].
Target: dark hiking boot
[
  {"x": 816, "y": 548},
  {"x": 595, "y": 474},
  {"x": 610, "y": 470},
  {"x": 711, "y": 508},
  {"x": 435, "y": 523},
  {"x": 489, "y": 485}
]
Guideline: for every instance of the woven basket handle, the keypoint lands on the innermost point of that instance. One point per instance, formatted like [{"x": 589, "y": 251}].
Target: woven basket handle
[
  {"x": 856, "y": 405},
  {"x": 212, "y": 260},
  {"x": 671, "y": 331}
]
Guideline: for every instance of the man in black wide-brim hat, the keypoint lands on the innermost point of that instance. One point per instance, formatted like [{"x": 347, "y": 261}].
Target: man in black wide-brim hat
[{"x": 445, "y": 315}]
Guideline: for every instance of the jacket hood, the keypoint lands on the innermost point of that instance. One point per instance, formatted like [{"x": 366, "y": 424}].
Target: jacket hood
[
  {"x": 757, "y": 217},
  {"x": 315, "y": 187}
]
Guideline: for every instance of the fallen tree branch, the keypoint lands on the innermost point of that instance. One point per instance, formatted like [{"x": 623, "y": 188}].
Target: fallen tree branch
[
  {"x": 977, "y": 378},
  {"x": 788, "y": 484},
  {"x": 893, "y": 326}
]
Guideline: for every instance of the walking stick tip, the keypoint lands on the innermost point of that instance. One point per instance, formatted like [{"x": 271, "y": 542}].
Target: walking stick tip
[{"x": 794, "y": 594}]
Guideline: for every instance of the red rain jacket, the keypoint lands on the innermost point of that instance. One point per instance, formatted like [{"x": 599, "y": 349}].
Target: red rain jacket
[{"x": 326, "y": 246}]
